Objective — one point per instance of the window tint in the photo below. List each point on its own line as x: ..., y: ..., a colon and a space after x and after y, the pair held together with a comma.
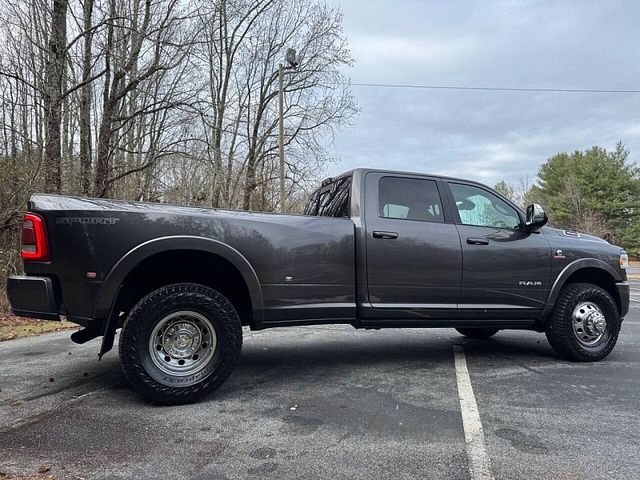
x: 331, y: 201
x: 479, y: 207
x: 410, y: 199
x: 311, y: 208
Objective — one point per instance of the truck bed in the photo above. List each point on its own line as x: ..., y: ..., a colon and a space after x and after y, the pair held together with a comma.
x: 303, y: 265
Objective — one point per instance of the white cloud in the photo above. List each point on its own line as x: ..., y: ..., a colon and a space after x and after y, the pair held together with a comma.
x: 385, y: 50
x: 489, y: 136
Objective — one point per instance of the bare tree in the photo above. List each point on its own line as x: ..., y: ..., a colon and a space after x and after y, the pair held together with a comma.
x: 244, y: 43
x: 165, y: 100
x: 85, y: 98
x: 54, y: 82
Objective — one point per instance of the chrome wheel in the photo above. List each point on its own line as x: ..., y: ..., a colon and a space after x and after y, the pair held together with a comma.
x: 589, y: 323
x: 182, y: 343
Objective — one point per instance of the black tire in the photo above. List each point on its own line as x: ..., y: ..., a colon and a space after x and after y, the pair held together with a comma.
x: 562, y: 335
x: 473, y: 332
x: 218, y: 360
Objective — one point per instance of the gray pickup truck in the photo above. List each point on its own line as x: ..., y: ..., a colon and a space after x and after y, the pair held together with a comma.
x: 374, y: 249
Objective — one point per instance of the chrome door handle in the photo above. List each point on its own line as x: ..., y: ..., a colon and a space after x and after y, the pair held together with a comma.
x: 386, y: 235
x: 477, y: 241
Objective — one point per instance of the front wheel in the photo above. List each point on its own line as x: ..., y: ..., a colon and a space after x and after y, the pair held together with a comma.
x: 180, y: 342
x: 584, y: 323
x: 478, y: 332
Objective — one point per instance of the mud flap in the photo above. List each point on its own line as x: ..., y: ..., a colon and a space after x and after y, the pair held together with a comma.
x: 107, y: 338
x: 109, y: 330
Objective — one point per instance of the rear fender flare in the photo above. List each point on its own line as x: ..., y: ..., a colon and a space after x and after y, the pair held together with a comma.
x: 108, y: 294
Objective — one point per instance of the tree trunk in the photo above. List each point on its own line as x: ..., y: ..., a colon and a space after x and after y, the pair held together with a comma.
x: 85, y: 102
x: 100, y: 186
x: 250, y: 182
x: 53, y: 96
x: 105, y: 130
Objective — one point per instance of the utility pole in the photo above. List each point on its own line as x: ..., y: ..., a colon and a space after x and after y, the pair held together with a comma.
x: 292, y: 62
x: 281, y: 134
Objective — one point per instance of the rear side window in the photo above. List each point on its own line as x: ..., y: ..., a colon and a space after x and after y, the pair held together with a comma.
x: 409, y: 199
x: 311, y: 208
x: 332, y: 200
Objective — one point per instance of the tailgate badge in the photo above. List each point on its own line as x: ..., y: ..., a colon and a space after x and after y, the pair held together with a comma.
x: 86, y: 220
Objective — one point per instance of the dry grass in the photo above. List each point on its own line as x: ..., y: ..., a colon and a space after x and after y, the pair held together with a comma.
x: 14, y: 327
x: 43, y: 474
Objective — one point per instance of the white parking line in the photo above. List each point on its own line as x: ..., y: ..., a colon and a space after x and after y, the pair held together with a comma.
x: 635, y: 295
x: 479, y: 464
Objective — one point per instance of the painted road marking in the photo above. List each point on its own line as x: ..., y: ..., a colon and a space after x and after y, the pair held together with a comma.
x: 479, y: 464
x: 635, y: 295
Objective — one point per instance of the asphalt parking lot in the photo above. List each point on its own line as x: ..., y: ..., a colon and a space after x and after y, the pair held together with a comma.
x: 330, y: 402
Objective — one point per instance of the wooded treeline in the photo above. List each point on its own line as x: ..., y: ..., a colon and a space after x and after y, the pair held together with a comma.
x: 166, y: 100
x: 596, y: 191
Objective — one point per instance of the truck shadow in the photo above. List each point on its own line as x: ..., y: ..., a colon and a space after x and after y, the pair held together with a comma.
x: 278, y: 361
x: 278, y: 364
x: 398, y: 349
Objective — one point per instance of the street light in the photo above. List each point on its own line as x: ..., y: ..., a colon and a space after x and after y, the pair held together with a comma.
x: 292, y: 61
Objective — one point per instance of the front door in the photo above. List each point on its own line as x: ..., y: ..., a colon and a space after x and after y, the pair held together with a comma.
x: 412, y: 248
x: 505, y: 267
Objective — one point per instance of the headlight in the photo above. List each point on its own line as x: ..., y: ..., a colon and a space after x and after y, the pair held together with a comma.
x: 624, y: 261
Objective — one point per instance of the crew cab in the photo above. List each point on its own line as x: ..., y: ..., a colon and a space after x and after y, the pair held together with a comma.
x: 373, y: 249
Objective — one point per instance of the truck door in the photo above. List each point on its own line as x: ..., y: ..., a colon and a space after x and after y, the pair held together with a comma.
x: 505, y: 267
x: 413, y: 253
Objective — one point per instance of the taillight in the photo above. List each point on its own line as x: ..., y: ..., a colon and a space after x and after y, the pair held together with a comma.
x: 34, y: 239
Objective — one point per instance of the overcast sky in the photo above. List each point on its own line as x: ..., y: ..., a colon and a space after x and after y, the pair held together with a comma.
x: 488, y: 136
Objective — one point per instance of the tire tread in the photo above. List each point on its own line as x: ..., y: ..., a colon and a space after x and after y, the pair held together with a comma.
x: 559, y: 330
x: 178, y: 295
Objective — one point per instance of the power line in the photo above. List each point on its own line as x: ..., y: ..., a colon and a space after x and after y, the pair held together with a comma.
x: 493, y: 89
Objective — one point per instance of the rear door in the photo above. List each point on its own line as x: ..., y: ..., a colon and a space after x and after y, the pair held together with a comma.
x: 413, y: 249
x: 505, y: 267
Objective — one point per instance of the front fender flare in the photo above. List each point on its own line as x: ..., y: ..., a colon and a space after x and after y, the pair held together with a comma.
x: 109, y: 291
x: 569, y: 270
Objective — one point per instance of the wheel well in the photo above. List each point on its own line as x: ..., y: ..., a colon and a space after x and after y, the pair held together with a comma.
x: 599, y: 277
x: 192, y: 266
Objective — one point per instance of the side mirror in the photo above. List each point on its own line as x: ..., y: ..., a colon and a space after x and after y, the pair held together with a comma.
x: 536, y: 217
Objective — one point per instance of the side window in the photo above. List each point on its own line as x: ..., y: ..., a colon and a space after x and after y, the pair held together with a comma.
x: 311, y: 208
x: 409, y: 199
x: 482, y: 208
x: 333, y: 200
